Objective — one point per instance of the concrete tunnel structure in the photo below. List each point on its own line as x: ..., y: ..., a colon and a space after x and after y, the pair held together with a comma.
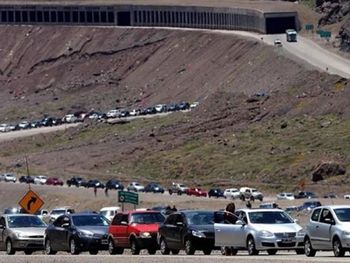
x: 264, y: 17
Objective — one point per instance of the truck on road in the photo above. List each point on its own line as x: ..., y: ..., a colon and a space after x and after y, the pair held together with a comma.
x: 291, y: 35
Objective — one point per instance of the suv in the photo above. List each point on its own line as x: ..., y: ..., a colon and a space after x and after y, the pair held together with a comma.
x: 232, y: 193
x: 77, y: 181
x: 328, y: 229
x: 8, y: 177
x: 250, y: 194
x: 135, y: 230
x: 309, y: 205
x: 176, y: 188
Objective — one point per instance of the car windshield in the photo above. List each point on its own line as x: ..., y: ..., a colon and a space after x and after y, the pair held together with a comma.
x: 57, y: 212
x: 90, y: 220
x: 182, y: 185
x: 200, y: 218
x: 269, y: 217
x: 25, y: 221
x: 343, y: 214
x: 147, y: 218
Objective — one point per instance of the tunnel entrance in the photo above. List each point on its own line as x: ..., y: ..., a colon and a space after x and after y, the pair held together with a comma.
x: 278, y: 25
x: 124, y: 19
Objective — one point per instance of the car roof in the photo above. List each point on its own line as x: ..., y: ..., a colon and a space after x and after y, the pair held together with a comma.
x: 334, y: 206
x: 110, y: 208
x: 260, y: 210
x: 140, y: 212
x: 20, y: 214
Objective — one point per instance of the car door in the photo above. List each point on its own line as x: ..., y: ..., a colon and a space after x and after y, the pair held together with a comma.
x: 168, y: 230
x: 180, y: 231
x: 53, y: 234
x: 122, y: 230
x: 325, y: 227
x: 2, y: 233
x: 313, y: 228
x: 62, y: 229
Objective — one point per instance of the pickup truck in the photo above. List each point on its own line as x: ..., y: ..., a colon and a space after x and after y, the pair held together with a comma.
x: 177, y: 188
x: 250, y: 194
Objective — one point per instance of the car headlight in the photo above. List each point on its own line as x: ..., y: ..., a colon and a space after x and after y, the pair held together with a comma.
x: 85, y: 233
x: 198, y: 234
x: 346, y: 233
x: 145, y: 234
x: 301, y: 233
x: 20, y: 235
x: 265, y: 233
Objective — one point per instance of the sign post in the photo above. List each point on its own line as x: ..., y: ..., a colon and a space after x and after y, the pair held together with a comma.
x: 128, y: 197
x: 31, y: 202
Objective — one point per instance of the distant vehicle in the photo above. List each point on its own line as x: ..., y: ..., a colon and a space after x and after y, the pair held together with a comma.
x: 113, y: 114
x: 268, y: 205
x: 35, y: 124
x: 196, y: 192
x: 328, y: 229
x: 308, y: 195
x: 23, y: 125
x: 277, y: 43
x: 78, y: 233
x: 13, y: 210
x: 346, y: 196
x: 173, y: 107
x: 135, y: 230
x: 260, y: 229
x: 94, y: 183
x: 216, y: 192
x: 189, y: 230
x: 232, y: 193
x: 136, y: 187
x: 285, y: 196
x: 250, y: 194
x: 177, y: 188
x: 58, y: 211
x: 309, y: 205
x: 124, y: 114
x: 110, y: 212
x: 184, y: 106
x: 154, y: 188
x: 194, y: 104
x: 291, y: 35
x: 48, y: 121
x: 114, y: 184
x: 291, y: 209
x: 40, y: 179
x: 330, y: 196
x: 54, y: 181
x: 21, y: 232
x: 26, y: 179
x: 43, y: 214
x: 76, y: 181
x: 5, y: 127
x: 160, y: 108
x: 150, y: 110
x: 70, y: 118
x: 8, y: 177
x: 135, y: 112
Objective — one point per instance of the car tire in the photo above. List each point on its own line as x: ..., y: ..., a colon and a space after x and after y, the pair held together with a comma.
x: 164, y: 250
x: 48, y: 248
x: 135, y: 250
x: 111, y: 248
x: 252, y: 251
x: 175, y: 251
x: 189, y: 248
x: 207, y: 251
x: 93, y: 252
x: 152, y: 251
x: 300, y: 251
x: 28, y: 252
x: 309, y: 251
x: 272, y: 252
x: 338, y: 249
x: 73, y: 248
x: 9, y: 248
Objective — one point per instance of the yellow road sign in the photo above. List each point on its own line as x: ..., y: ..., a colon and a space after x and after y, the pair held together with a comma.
x: 31, y: 202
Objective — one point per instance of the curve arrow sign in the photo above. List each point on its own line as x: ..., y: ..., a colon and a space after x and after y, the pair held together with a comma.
x: 31, y: 201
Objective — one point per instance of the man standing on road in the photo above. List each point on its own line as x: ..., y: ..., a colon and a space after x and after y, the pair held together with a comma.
x: 95, y: 191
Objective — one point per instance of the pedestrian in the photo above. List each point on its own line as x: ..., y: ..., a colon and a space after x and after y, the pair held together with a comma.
x: 95, y: 191
x: 106, y: 191
x: 248, y: 205
x: 229, y: 218
x: 174, y: 208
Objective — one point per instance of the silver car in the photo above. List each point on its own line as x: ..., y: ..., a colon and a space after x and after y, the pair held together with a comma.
x: 260, y: 229
x: 21, y: 232
x: 328, y: 229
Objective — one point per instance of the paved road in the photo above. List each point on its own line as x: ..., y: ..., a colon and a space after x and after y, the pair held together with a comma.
x: 243, y: 258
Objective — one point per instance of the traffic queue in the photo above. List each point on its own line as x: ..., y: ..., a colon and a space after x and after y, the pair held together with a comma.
x: 171, y: 231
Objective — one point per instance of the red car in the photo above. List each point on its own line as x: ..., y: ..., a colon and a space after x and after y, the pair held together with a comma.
x: 135, y: 230
x: 54, y: 181
x: 196, y: 192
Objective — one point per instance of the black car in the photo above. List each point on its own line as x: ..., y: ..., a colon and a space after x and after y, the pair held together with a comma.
x: 154, y: 188
x: 26, y: 179
x: 173, y: 107
x: 184, y: 106
x: 35, y: 124
x: 124, y: 114
x: 330, y: 196
x: 190, y: 230
x: 309, y: 205
x: 93, y: 184
x: 150, y: 110
x: 216, y: 192
x: 76, y: 233
x: 305, y: 194
x: 77, y: 181
x: 48, y: 121
x: 114, y: 184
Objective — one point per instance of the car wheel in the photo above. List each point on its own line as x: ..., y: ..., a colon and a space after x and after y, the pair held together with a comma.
x: 175, y: 251
x: 338, y: 249
x: 164, y: 250
x: 93, y: 252
x: 111, y: 248
x: 272, y: 252
x: 9, y: 248
x: 309, y: 251
x: 73, y: 248
x: 189, y: 248
x: 300, y: 251
x: 135, y: 250
x: 207, y: 251
x: 152, y: 251
x: 251, y: 247
x: 28, y: 251
x: 48, y: 248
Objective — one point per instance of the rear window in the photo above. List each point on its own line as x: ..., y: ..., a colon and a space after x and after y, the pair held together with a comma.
x: 315, y: 215
x: 147, y: 218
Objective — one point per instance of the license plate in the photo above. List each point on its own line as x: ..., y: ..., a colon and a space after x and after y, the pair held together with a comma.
x: 104, y: 241
x: 287, y: 240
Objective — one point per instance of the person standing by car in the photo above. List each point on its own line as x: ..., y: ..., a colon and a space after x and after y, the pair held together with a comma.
x: 95, y: 191
x: 229, y: 218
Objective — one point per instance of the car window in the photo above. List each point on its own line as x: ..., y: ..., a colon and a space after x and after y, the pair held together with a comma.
x: 25, y: 221
x: 117, y: 219
x: 147, y: 218
x: 2, y: 221
x: 171, y: 220
x: 343, y: 214
x: 89, y: 220
x: 200, y: 218
x: 326, y: 216
x: 125, y: 218
x: 270, y: 217
x: 315, y: 215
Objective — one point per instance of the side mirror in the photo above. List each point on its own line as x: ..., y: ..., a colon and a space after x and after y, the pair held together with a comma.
x: 240, y: 222
x: 329, y: 221
x: 65, y: 225
x: 296, y: 221
x: 124, y: 223
x: 179, y: 223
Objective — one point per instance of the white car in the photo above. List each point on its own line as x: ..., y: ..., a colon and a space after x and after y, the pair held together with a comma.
x: 285, y: 196
x: 8, y: 177
x: 56, y: 212
x: 4, y: 127
x: 232, y: 193
x: 135, y: 112
x: 70, y: 118
x: 277, y: 43
x: 160, y: 107
x: 40, y: 179
x: 194, y: 104
x: 113, y: 114
x: 136, y: 187
x: 110, y: 212
x: 347, y: 196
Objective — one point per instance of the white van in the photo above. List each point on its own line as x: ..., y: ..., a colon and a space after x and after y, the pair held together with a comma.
x: 109, y: 212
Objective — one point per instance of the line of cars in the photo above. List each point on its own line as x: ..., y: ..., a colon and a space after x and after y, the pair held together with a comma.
x: 81, y: 116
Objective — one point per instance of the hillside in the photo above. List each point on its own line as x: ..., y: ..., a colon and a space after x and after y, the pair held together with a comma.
x: 231, y: 138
